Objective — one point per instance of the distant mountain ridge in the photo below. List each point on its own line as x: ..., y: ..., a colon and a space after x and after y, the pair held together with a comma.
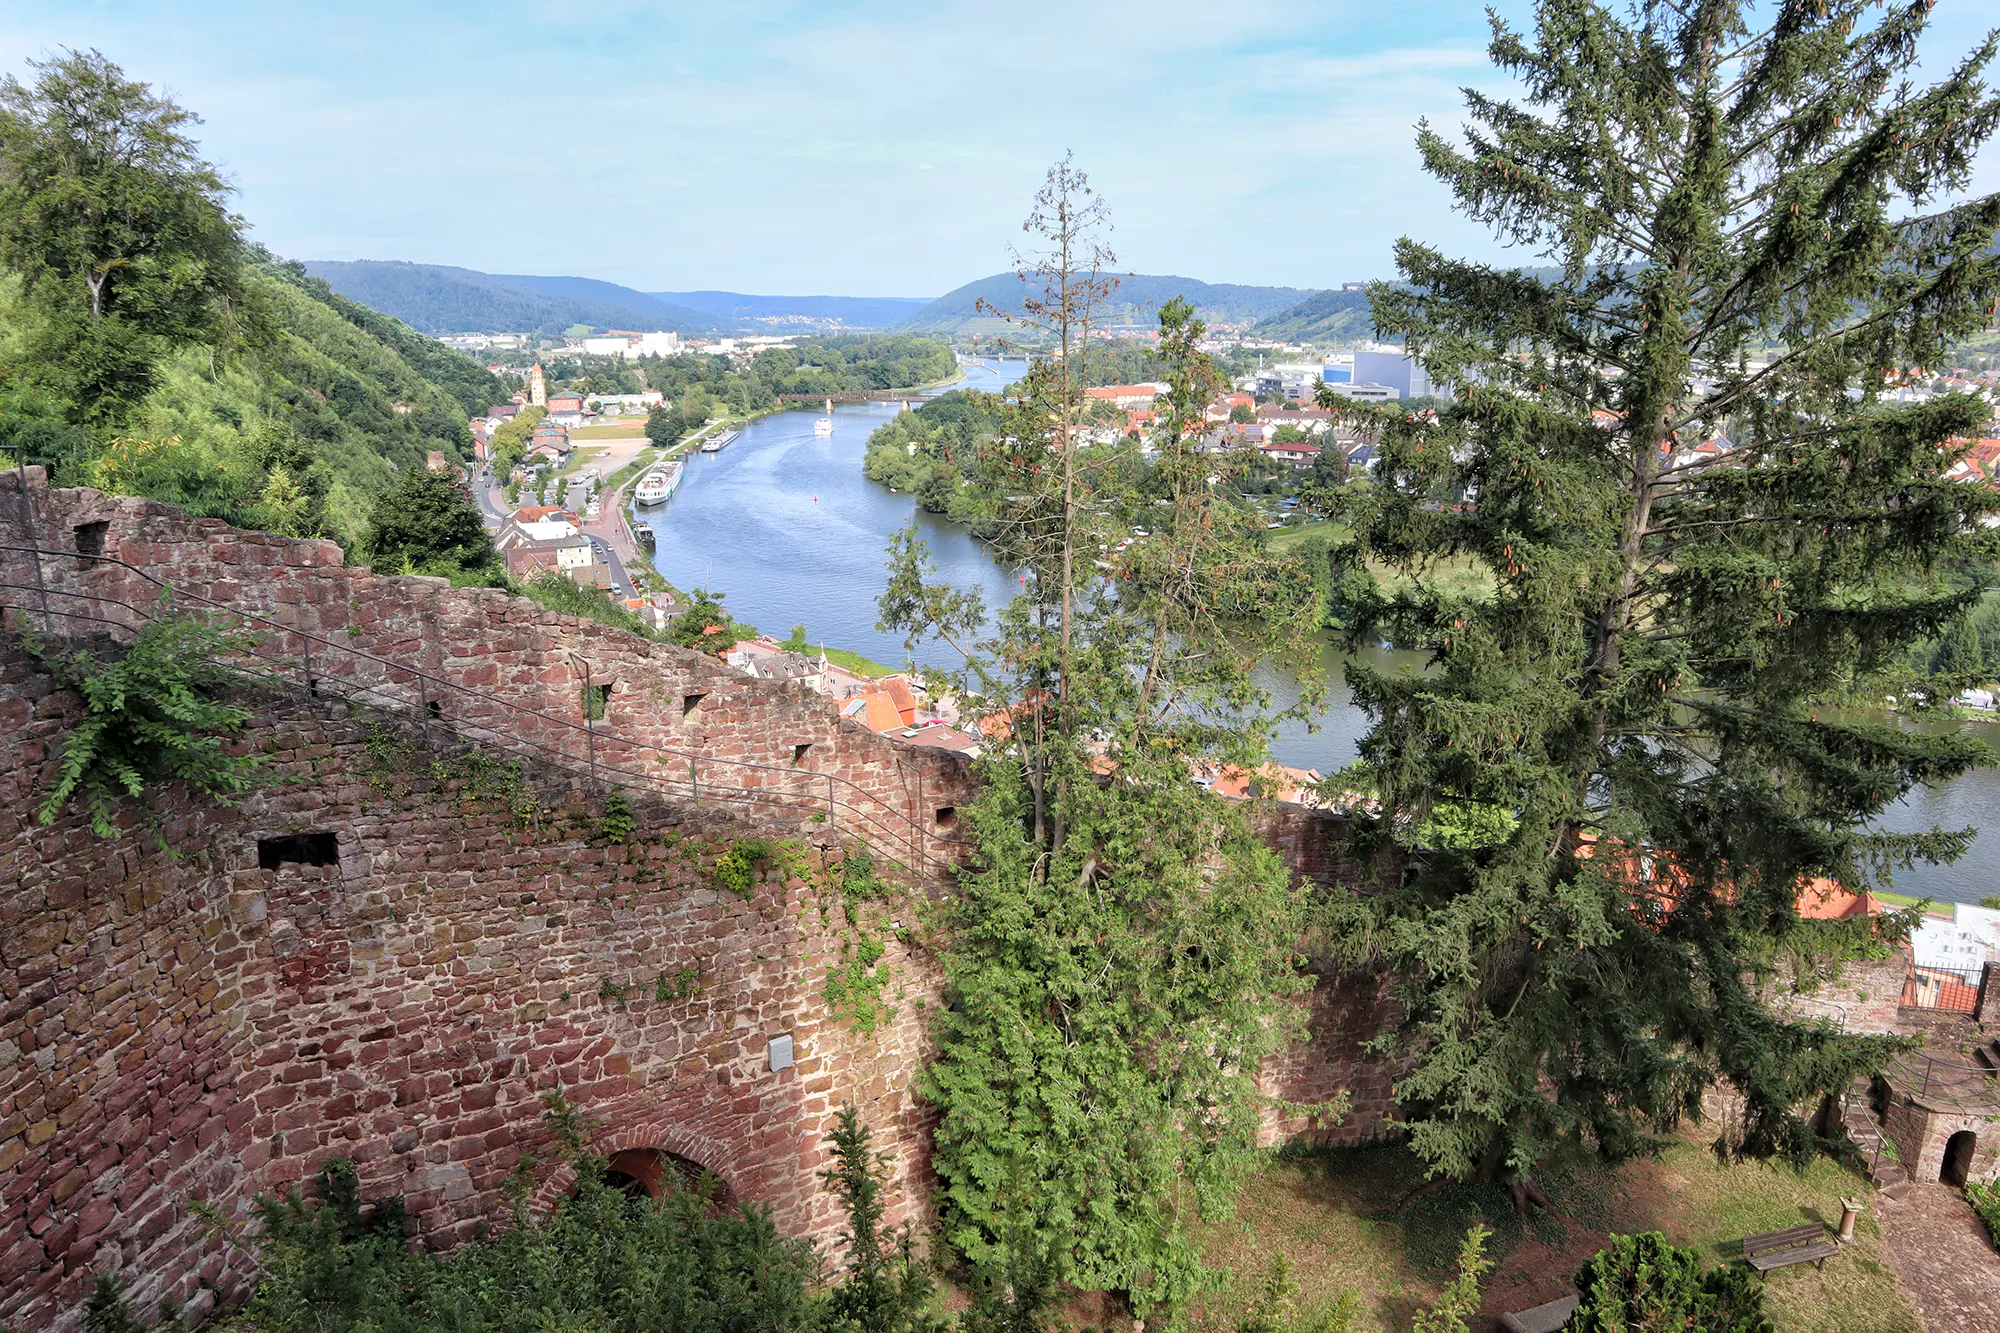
x: 856, y: 312
x: 439, y: 299
x: 1137, y: 301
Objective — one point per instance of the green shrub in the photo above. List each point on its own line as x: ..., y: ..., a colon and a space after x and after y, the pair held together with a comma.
x: 1459, y: 1300
x: 1641, y: 1283
x: 617, y: 825
x: 599, y: 1260
x: 151, y: 717
x: 736, y: 868
x: 1985, y: 1200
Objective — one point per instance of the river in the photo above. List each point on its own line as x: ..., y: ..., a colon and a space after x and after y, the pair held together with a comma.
x: 784, y: 524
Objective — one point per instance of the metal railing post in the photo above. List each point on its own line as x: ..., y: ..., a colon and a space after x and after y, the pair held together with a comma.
x: 829, y: 802
x: 590, y: 720
x: 306, y: 662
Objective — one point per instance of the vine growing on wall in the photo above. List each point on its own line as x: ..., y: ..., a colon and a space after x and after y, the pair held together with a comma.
x: 478, y: 776
x: 856, y: 986
x: 152, y: 716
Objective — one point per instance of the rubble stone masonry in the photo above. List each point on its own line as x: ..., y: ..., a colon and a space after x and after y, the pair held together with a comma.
x: 201, y: 1009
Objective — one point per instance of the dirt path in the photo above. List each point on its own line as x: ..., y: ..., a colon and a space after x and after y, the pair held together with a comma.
x: 1941, y: 1254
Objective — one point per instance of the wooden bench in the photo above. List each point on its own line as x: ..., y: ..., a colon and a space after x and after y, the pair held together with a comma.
x: 1807, y: 1244
x: 1543, y: 1318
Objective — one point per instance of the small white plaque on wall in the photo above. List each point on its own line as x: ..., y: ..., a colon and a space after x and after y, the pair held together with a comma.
x: 780, y: 1052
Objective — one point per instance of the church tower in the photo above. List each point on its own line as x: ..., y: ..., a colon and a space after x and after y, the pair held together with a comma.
x: 538, y: 388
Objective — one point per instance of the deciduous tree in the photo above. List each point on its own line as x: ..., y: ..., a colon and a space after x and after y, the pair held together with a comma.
x: 117, y: 227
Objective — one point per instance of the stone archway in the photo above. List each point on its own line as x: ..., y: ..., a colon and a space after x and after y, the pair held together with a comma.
x: 1958, y: 1151
x: 654, y: 1172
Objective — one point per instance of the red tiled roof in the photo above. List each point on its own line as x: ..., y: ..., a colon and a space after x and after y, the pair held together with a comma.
x: 898, y: 690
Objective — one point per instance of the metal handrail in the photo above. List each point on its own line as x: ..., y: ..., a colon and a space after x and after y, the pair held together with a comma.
x: 899, y: 840
x: 1932, y: 1064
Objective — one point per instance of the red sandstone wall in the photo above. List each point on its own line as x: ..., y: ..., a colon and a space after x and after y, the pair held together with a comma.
x: 202, y: 1028
x: 1341, y: 1011
x: 502, y: 669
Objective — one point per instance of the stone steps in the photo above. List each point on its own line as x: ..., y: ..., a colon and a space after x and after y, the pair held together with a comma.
x: 1878, y: 1159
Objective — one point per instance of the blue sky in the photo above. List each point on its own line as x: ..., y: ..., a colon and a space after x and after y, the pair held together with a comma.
x: 857, y: 149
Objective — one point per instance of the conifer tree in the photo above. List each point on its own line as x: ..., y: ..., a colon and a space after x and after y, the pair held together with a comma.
x: 1122, y: 954
x: 1757, y: 228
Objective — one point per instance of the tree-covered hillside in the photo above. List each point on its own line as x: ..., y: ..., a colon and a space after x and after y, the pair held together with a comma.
x: 1323, y: 317
x: 438, y: 299
x: 1137, y: 300
x: 147, y: 349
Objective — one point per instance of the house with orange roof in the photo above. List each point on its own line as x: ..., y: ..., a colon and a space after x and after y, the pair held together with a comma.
x: 1125, y: 395
x: 875, y: 711
x: 1984, y: 454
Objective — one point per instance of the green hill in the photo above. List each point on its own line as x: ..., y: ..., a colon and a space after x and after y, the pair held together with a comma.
x: 1329, y: 316
x: 1136, y: 301
x: 294, y: 432
x: 439, y: 299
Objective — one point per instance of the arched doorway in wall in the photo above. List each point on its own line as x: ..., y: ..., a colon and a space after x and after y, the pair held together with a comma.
x: 1958, y: 1150
x: 652, y: 1172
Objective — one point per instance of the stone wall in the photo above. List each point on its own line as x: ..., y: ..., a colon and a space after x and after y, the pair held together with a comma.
x: 179, y: 1021
x: 1863, y: 996
x: 190, y: 1025
x: 485, y: 664
x: 1342, y: 1011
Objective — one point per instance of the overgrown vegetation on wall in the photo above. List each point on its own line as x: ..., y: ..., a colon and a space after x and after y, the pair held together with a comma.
x: 600, y: 1260
x: 152, y: 716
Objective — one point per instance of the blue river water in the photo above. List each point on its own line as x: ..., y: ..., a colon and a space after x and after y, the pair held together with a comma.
x: 783, y: 523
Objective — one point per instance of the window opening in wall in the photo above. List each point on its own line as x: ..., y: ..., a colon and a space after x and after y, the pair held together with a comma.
x: 596, y: 701
x: 436, y: 708
x: 90, y: 538
x: 1958, y: 1150
x: 799, y: 753
x: 945, y: 818
x: 690, y: 703
x: 305, y: 849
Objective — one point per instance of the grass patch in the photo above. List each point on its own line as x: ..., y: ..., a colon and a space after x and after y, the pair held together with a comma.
x: 1711, y: 1206
x: 848, y: 660
x: 1336, y: 1215
x: 633, y: 428
x: 1282, y: 540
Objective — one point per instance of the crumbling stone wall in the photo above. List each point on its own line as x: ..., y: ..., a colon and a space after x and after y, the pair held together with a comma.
x: 483, y: 663
x: 179, y: 1022
x: 189, y: 1025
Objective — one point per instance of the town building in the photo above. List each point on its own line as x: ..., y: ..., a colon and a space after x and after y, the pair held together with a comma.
x: 1398, y: 370
x: 1127, y: 396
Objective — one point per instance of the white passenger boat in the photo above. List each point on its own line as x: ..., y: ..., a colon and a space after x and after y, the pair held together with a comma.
x: 659, y: 485
x: 824, y: 426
